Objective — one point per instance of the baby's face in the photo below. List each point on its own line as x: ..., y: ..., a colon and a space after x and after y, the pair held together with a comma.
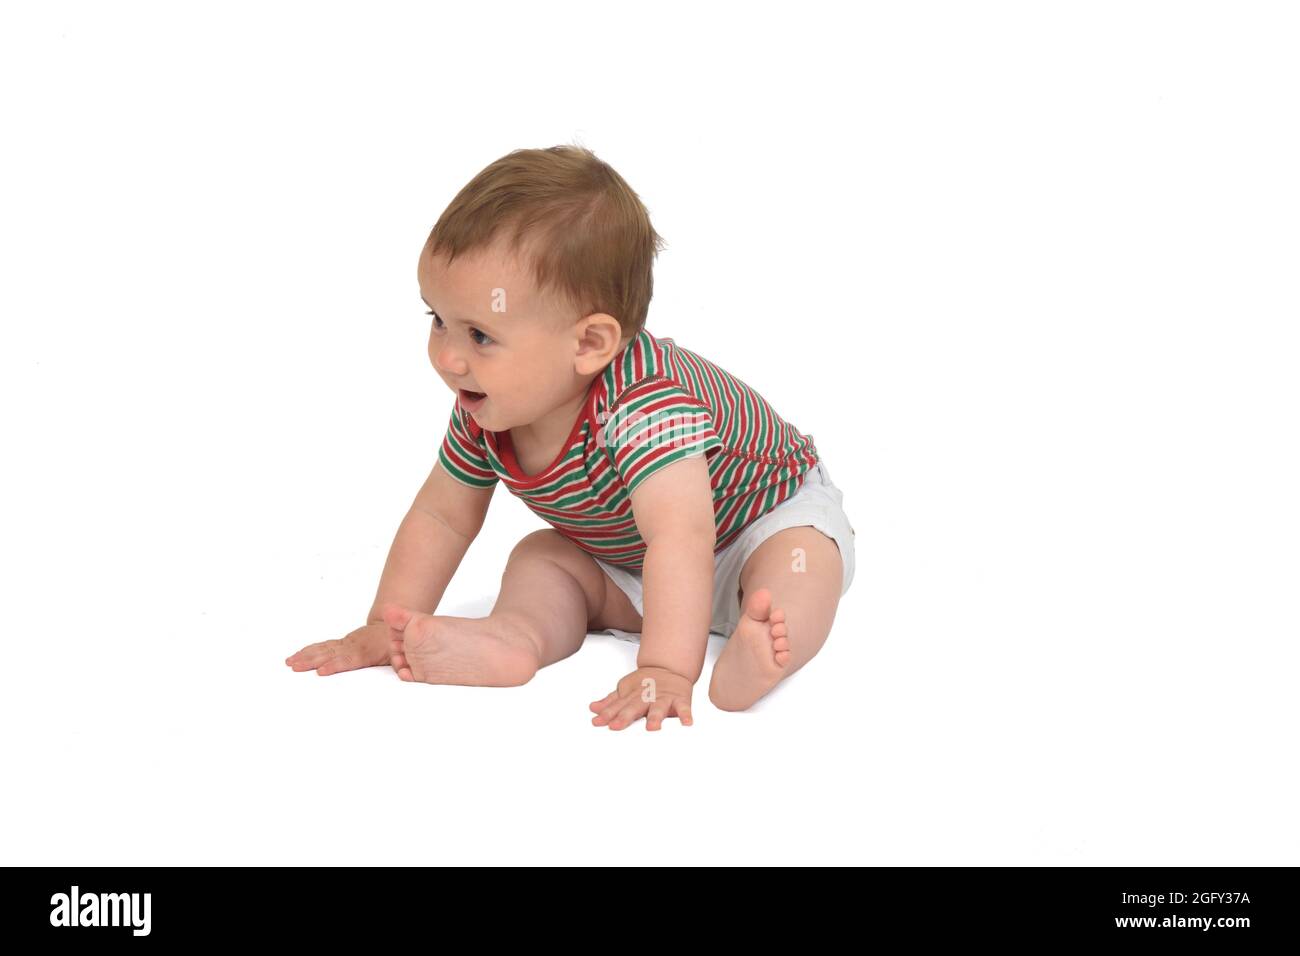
x: 506, y: 349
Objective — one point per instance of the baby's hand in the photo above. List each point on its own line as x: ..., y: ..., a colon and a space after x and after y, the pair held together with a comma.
x: 653, y: 691
x: 367, y: 646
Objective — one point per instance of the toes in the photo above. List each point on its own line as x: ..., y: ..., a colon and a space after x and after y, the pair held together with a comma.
x: 777, y: 615
x: 419, y: 628
x: 759, y: 604
x: 779, y: 630
x: 396, y: 617
x: 781, y: 644
x: 397, y: 653
x: 782, y: 657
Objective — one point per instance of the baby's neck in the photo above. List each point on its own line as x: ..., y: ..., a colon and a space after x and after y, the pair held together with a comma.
x: 542, y: 440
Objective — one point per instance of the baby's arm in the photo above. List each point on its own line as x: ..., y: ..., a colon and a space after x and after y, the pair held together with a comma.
x: 673, y: 509
x: 431, y: 541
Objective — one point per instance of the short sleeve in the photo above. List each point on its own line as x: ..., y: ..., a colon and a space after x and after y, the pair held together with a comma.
x: 655, y: 424
x: 464, y: 452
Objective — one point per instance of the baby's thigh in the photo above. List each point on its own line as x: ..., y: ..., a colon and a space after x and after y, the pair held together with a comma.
x: 617, y: 610
x: 799, y: 559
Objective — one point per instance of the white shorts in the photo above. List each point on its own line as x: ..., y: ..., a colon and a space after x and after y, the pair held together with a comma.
x: 817, y: 503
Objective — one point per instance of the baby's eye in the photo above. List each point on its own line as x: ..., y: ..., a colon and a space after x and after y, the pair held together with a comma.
x: 473, y: 333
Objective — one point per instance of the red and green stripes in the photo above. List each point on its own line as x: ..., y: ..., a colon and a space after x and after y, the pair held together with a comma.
x: 654, y: 405
x: 462, y: 452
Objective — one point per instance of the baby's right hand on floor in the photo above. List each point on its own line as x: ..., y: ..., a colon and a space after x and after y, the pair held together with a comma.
x: 367, y: 646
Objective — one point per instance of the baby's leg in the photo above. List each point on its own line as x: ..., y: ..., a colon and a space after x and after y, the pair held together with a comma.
x: 787, y: 602
x: 552, y: 593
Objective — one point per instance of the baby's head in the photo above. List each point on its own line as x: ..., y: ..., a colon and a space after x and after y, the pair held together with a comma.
x: 536, y: 275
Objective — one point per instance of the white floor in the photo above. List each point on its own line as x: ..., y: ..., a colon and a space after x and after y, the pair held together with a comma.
x: 959, y: 714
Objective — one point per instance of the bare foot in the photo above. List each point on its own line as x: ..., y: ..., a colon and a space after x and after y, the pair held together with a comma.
x: 473, y: 651
x: 753, y: 662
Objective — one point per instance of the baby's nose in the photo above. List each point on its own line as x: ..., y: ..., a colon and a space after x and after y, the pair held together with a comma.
x: 447, y: 359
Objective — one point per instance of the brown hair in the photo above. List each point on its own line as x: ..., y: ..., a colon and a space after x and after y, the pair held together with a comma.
x: 584, y: 232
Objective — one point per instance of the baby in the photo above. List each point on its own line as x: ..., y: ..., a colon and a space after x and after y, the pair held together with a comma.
x: 679, y: 502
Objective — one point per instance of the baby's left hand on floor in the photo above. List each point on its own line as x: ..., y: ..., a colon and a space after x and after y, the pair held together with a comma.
x: 653, y: 692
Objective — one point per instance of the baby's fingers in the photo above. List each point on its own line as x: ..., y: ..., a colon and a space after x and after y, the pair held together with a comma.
x: 662, y: 709
x: 341, y: 657
x: 609, y: 711
x: 634, y: 709
x: 683, y: 708
x: 655, y: 718
x: 327, y: 657
x: 308, y: 658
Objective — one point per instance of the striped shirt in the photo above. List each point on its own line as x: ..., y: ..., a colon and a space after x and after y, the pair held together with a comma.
x: 653, y: 405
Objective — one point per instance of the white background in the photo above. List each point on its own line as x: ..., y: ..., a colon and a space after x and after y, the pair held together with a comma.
x: 1027, y: 272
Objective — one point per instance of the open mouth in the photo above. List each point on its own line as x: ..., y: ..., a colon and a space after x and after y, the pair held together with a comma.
x: 467, y: 396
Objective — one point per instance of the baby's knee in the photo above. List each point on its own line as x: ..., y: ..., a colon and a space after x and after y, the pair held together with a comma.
x: 542, y: 541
